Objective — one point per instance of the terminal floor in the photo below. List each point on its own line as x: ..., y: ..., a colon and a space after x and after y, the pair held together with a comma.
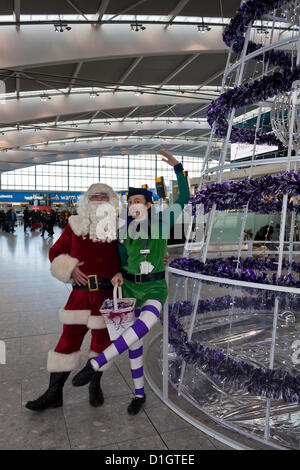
x: 30, y: 299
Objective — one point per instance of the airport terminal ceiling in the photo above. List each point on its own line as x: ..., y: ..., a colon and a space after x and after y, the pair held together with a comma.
x: 85, y: 78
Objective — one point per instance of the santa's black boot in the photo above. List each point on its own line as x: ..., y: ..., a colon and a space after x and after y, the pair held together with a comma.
x: 95, y: 391
x: 53, y: 397
x: 84, y: 376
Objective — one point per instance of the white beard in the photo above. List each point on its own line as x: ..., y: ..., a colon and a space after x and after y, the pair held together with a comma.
x: 102, y: 217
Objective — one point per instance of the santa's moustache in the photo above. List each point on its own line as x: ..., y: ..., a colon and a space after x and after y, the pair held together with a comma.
x: 102, y: 216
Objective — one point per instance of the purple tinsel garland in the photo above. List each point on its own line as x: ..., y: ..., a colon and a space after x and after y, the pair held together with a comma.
x: 250, y: 269
x: 235, y: 195
x: 264, y: 300
x: 247, y: 13
x: 276, y: 384
x: 258, y: 90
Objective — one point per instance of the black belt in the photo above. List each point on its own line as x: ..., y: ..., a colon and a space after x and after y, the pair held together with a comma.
x: 95, y: 284
x: 139, y: 278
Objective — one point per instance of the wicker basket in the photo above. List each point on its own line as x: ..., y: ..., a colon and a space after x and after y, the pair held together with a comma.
x: 118, y: 313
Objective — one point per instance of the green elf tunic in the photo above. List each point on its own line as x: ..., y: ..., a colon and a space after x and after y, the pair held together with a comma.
x: 157, y: 244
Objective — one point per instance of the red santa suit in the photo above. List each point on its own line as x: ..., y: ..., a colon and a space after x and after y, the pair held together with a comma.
x: 81, y: 312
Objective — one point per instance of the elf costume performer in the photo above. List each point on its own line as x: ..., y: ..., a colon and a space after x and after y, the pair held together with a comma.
x: 143, y: 277
x: 86, y: 255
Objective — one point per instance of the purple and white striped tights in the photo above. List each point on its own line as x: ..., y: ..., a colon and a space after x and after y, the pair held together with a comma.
x: 131, y: 339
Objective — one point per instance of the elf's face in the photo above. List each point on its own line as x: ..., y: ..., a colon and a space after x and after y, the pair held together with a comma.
x: 138, y: 206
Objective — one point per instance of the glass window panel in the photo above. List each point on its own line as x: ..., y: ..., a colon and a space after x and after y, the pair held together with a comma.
x: 62, y: 163
x: 31, y: 180
x: 3, y: 179
x: 52, y: 182
x: 10, y: 180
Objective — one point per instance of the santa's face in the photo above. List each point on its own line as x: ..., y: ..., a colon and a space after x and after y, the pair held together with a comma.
x: 101, y: 197
x: 94, y: 201
x: 102, y: 219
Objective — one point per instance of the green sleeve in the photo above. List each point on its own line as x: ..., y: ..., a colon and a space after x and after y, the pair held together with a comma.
x: 183, y: 198
x: 123, y: 254
x: 183, y: 189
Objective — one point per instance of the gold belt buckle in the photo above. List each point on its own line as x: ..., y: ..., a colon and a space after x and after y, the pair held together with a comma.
x: 93, y: 283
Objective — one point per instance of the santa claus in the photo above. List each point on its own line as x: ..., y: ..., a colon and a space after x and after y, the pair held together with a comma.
x: 86, y: 256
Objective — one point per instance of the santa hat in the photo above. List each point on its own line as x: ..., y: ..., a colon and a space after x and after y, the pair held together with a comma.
x: 94, y: 189
x: 99, y: 188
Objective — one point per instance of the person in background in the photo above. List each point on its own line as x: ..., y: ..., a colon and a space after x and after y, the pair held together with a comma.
x: 67, y: 215
x: 26, y: 215
x: 12, y: 218
x: 35, y: 220
x: 44, y: 222
x: 2, y: 219
x: 265, y: 233
x: 51, y: 222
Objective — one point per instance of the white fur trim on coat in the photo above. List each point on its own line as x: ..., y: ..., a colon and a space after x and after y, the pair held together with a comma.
x: 106, y: 366
x: 62, y: 267
x: 96, y: 322
x: 75, y: 221
x: 58, y: 362
x: 74, y: 317
x: 103, y: 232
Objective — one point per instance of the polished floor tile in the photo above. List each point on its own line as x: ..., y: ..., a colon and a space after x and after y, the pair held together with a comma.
x: 144, y: 443
x: 30, y: 299
x: 105, y: 425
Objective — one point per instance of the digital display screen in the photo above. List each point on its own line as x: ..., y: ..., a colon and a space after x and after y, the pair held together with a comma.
x: 246, y: 150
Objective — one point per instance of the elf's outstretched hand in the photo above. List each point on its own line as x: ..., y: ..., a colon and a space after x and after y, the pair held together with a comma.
x: 168, y: 157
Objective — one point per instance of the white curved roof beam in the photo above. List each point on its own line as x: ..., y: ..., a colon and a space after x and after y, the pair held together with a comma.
x: 32, y: 108
x: 180, y: 5
x: 77, y: 9
x: 37, y: 134
x: 92, y: 146
x: 17, y: 12
x: 106, y: 114
x: 94, y: 116
x: 197, y: 110
x: 45, y: 84
x: 130, y: 7
x: 175, y: 147
x: 75, y: 74
x: 129, y: 71
x: 83, y: 43
x: 12, y: 159
x: 18, y: 85
x: 4, y: 79
x: 156, y: 134
x: 102, y: 9
x: 178, y: 70
x: 203, y: 144
x: 211, y: 78
x: 164, y: 111
x: 179, y: 135
x: 130, y: 112
x: 188, y: 130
